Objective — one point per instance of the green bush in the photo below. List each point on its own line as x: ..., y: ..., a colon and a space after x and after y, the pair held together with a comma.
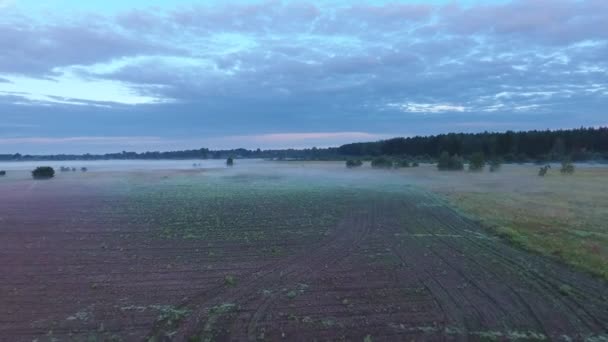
x: 477, y: 162
x: 229, y: 161
x: 352, y: 163
x: 382, y: 163
x: 450, y: 163
x: 43, y: 172
x: 567, y: 167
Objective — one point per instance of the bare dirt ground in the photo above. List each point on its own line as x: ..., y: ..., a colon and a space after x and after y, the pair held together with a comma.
x: 394, y: 267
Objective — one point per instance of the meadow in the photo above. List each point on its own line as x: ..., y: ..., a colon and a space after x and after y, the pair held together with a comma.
x: 302, y: 251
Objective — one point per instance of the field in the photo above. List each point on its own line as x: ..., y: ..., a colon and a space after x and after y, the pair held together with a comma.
x: 304, y: 251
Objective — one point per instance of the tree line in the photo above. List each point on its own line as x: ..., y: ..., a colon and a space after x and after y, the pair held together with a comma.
x: 576, y: 144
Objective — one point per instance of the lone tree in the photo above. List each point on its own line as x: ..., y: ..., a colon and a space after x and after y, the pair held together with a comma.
x: 352, y: 163
x: 43, y: 172
x: 229, y: 161
x: 450, y: 163
x: 477, y: 162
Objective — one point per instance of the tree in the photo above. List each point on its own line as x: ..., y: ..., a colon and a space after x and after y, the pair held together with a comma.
x: 477, y: 162
x: 450, y: 163
x: 382, y: 163
x: 542, y: 172
x: 229, y: 161
x: 352, y: 163
x: 567, y: 167
x: 43, y: 172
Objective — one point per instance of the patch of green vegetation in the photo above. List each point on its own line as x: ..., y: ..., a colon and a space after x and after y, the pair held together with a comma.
x: 230, y: 280
x: 563, y: 219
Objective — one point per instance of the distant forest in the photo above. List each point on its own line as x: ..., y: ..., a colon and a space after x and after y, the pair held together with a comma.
x: 576, y: 144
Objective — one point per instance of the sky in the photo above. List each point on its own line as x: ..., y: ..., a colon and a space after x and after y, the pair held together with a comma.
x: 107, y: 76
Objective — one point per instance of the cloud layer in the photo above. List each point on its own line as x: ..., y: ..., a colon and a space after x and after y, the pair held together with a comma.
x: 271, y: 67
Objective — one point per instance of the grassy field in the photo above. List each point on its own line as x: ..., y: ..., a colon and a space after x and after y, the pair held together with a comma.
x: 562, y: 216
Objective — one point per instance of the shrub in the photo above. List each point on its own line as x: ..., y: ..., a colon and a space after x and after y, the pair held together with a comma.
x: 450, y: 163
x: 382, y: 163
x: 43, y: 172
x: 495, y: 165
x: 2, y: 173
x: 64, y: 169
x: 84, y: 169
x: 229, y: 161
x: 352, y: 163
x: 567, y: 167
x: 415, y: 164
x: 477, y: 162
x: 543, y: 170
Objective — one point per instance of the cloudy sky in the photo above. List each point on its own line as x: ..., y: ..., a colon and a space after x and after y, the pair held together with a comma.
x: 103, y: 76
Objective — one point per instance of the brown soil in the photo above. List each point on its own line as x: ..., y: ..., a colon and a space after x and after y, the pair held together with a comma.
x: 400, y: 268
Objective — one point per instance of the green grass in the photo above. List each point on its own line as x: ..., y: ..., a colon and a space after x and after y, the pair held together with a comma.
x: 559, y: 216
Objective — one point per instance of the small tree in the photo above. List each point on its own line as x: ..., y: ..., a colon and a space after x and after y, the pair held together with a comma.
x: 43, y: 172
x: 542, y: 172
x: 477, y: 162
x: 229, y: 161
x: 382, y: 163
x: 567, y: 167
x: 352, y: 163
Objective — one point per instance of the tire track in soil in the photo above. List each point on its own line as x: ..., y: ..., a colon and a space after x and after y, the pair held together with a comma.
x: 494, y: 302
x: 347, y: 234
x: 543, y: 287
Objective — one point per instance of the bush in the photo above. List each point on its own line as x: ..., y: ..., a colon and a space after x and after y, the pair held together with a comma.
x: 543, y: 170
x: 2, y: 173
x: 64, y: 169
x: 229, y: 161
x: 450, y: 163
x: 43, y: 172
x: 352, y: 163
x: 477, y: 162
x: 415, y: 164
x: 84, y: 169
x: 382, y: 163
x: 567, y: 167
x: 495, y: 165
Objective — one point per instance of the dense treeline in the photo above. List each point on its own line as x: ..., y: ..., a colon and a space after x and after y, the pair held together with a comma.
x: 576, y: 144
